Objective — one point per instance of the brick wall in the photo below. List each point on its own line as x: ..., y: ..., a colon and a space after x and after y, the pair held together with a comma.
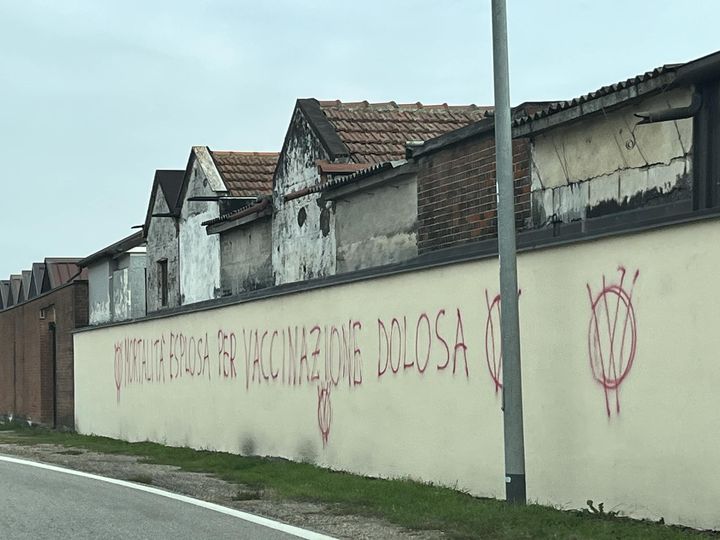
x: 457, y: 196
x: 7, y: 372
x: 29, y: 387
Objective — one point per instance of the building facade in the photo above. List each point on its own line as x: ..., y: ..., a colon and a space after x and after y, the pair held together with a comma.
x: 331, y: 139
x: 161, y: 232
x: 375, y: 216
x: 116, y: 276
x: 37, y: 357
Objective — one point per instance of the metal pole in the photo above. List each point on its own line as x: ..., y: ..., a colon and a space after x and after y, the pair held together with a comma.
x: 509, y: 325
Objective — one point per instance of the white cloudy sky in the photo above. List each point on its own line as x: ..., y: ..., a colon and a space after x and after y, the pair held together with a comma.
x: 97, y: 94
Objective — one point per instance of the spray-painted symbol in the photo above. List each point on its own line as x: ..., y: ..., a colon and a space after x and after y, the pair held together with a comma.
x: 612, y: 335
x: 324, y: 412
x: 493, y: 344
x: 118, y: 370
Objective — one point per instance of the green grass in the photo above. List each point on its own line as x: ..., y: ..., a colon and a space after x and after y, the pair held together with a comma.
x: 9, y: 425
x: 403, y: 502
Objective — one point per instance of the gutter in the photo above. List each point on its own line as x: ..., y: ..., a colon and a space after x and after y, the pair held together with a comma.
x: 677, y: 113
x: 127, y: 243
x: 218, y: 225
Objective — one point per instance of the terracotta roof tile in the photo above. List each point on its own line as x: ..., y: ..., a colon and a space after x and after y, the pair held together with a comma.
x: 246, y: 174
x: 377, y: 132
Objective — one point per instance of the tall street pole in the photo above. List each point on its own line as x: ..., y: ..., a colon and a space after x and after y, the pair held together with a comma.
x: 509, y: 324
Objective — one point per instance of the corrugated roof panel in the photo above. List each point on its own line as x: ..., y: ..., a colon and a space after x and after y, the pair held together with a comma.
x: 600, y: 92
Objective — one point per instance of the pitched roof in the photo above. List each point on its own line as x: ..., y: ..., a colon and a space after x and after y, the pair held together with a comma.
x: 60, y: 270
x: 559, y: 106
x: 378, y: 132
x: 5, y: 296
x: 26, y: 278
x: 16, y: 289
x: 169, y: 183
x: 38, y: 271
x: 246, y: 174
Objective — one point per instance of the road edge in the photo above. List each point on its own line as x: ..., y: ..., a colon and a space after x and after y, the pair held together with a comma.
x: 245, y: 516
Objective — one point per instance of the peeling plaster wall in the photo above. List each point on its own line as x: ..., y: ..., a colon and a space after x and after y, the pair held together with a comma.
x: 377, y: 226
x: 137, y: 277
x: 607, y: 163
x: 162, y: 243
x: 246, y: 257
x: 122, y: 295
x: 303, y: 242
x: 128, y: 287
x: 199, y: 253
x: 99, y: 281
x: 392, y: 377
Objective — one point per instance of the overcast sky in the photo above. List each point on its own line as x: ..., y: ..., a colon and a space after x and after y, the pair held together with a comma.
x: 97, y: 94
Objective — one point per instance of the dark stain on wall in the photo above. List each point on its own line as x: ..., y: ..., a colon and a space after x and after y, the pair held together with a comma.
x: 652, y: 197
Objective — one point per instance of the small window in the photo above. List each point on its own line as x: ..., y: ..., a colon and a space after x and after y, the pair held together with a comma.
x: 163, y: 274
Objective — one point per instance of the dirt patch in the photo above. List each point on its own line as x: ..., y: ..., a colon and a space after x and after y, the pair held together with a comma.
x: 317, y: 517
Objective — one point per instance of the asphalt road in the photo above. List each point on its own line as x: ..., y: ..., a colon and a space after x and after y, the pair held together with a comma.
x: 43, y: 504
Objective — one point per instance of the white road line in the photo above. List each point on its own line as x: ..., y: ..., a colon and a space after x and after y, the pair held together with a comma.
x: 252, y: 518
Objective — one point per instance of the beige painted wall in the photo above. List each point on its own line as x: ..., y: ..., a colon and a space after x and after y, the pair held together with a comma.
x: 647, y: 447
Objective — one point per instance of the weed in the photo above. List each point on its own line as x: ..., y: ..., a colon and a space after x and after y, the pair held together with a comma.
x: 404, y: 502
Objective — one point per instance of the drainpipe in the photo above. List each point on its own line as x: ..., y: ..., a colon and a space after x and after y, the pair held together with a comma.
x: 677, y: 113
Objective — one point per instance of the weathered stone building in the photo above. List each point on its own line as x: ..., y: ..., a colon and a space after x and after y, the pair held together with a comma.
x: 246, y: 233
x: 331, y: 139
x: 212, y: 186
x: 161, y: 236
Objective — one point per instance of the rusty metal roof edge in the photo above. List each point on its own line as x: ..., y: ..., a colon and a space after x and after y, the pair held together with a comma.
x: 341, y: 181
x: 230, y: 215
x: 251, y: 214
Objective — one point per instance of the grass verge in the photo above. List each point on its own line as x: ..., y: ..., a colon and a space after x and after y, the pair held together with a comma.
x: 402, y: 502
